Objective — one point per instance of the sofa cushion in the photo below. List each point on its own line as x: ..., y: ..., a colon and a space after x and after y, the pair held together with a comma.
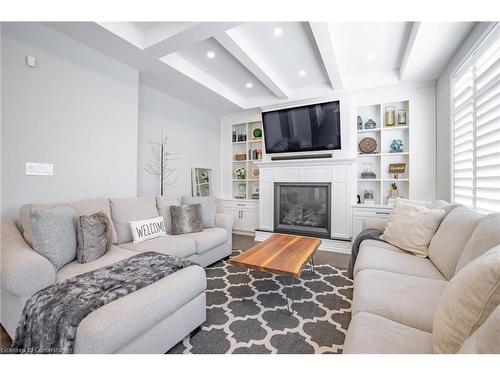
x: 408, y: 300
x: 411, y: 227
x: 486, y: 339
x: 54, y: 234
x: 373, y: 334
x: 116, y: 324
x: 172, y: 245
x: 208, y: 208
x: 208, y: 239
x: 92, y: 206
x: 24, y: 219
x: 467, y: 301
x: 448, y: 243
x: 129, y: 209
x: 485, y: 236
x: 398, y: 261
x: 115, y: 254
x: 163, y: 204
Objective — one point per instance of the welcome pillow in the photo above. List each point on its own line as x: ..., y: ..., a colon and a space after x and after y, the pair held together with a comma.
x: 148, y: 229
x: 412, y: 227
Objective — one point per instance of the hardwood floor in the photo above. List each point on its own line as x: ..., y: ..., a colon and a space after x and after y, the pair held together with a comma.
x: 240, y: 242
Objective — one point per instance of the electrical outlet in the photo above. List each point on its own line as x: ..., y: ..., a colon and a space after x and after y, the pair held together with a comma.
x: 39, y: 169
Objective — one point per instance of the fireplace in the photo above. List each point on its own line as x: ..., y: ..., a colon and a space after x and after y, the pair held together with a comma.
x: 302, y: 208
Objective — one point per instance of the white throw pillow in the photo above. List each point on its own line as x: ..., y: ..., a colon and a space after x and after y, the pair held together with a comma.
x: 411, y: 227
x: 148, y: 229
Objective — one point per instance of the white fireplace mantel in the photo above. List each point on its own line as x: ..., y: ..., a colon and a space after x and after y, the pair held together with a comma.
x: 340, y: 173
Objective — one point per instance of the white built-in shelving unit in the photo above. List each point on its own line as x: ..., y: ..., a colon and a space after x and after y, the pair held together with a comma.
x: 381, y: 158
x: 245, y: 188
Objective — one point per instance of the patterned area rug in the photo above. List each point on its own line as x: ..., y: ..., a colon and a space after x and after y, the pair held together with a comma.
x: 261, y: 324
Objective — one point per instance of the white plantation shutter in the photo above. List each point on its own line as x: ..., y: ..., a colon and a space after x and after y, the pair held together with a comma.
x: 476, y: 127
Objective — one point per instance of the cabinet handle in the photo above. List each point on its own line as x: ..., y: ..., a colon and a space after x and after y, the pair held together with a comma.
x: 382, y: 213
x: 240, y: 204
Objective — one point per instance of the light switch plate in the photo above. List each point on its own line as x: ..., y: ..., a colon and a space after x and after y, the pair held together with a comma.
x: 39, y: 169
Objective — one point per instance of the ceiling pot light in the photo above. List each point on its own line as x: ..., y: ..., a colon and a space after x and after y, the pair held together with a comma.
x: 249, y: 85
x: 210, y: 54
x: 370, y: 57
x: 277, y: 31
x: 302, y: 73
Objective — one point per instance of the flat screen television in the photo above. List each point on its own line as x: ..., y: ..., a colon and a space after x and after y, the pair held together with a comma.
x: 309, y: 128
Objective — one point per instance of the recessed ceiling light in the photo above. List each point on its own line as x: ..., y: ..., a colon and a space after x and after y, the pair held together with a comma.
x: 302, y: 73
x: 210, y: 54
x: 278, y: 31
x: 370, y: 57
x: 249, y: 85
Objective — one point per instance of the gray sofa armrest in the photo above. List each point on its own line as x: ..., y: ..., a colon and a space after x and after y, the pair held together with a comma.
x: 225, y: 221
x: 375, y: 223
x: 24, y: 271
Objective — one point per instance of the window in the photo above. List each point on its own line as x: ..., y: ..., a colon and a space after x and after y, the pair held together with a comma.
x: 476, y: 127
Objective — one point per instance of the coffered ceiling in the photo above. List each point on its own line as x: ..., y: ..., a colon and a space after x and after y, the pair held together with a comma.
x: 225, y: 67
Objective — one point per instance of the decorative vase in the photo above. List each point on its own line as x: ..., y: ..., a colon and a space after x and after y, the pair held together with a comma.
x: 394, y: 193
x: 370, y: 124
x: 390, y: 114
x: 360, y: 123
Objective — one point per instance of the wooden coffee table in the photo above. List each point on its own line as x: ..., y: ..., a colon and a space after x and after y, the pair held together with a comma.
x: 281, y: 254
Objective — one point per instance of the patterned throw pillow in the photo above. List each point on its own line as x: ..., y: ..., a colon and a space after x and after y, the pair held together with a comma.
x: 186, y: 218
x: 94, y: 236
x: 148, y: 229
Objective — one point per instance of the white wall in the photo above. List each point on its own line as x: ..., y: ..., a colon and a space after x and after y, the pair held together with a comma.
x: 77, y: 109
x: 443, y: 152
x: 194, y: 135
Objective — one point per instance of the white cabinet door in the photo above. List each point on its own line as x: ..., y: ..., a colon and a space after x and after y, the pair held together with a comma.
x: 250, y: 220
x: 237, y: 216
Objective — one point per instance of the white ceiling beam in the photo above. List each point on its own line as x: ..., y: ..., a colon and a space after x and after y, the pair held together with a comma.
x: 408, y: 48
x: 188, y: 37
x: 183, y: 66
x: 323, y: 39
x: 236, y: 44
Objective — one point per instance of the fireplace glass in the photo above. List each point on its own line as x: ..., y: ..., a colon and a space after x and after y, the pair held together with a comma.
x: 302, y: 208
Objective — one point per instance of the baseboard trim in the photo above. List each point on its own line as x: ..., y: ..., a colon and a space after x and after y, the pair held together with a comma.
x: 334, y: 246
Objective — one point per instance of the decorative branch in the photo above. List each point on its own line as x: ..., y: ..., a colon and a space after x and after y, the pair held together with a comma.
x: 158, y: 165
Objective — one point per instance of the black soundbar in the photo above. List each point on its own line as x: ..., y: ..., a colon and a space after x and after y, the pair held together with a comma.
x: 301, y: 157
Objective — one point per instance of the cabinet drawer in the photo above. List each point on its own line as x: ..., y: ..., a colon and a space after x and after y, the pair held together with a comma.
x: 241, y: 205
x: 371, y: 212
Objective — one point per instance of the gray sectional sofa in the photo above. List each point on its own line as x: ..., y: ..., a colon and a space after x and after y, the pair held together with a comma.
x: 407, y: 304
x: 150, y: 320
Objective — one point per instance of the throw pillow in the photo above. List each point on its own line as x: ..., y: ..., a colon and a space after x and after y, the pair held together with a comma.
x: 148, y: 229
x: 208, y: 208
x: 467, y: 301
x: 53, y: 232
x: 94, y: 236
x: 411, y: 227
x: 186, y: 218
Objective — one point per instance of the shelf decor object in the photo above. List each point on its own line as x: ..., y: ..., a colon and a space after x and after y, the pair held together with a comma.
x: 396, y: 168
x: 368, y: 145
x: 360, y: 123
x: 240, y: 173
x: 257, y: 133
x: 390, y: 114
x: 401, y: 116
x: 240, y: 157
x: 370, y: 124
x: 368, y: 172
x: 368, y: 196
x: 396, y: 146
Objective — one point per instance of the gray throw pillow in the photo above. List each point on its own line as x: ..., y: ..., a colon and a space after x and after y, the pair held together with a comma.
x: 208, y: 208
x: 53, y: 232
x: 186, y: 218
x: 94, y: 236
